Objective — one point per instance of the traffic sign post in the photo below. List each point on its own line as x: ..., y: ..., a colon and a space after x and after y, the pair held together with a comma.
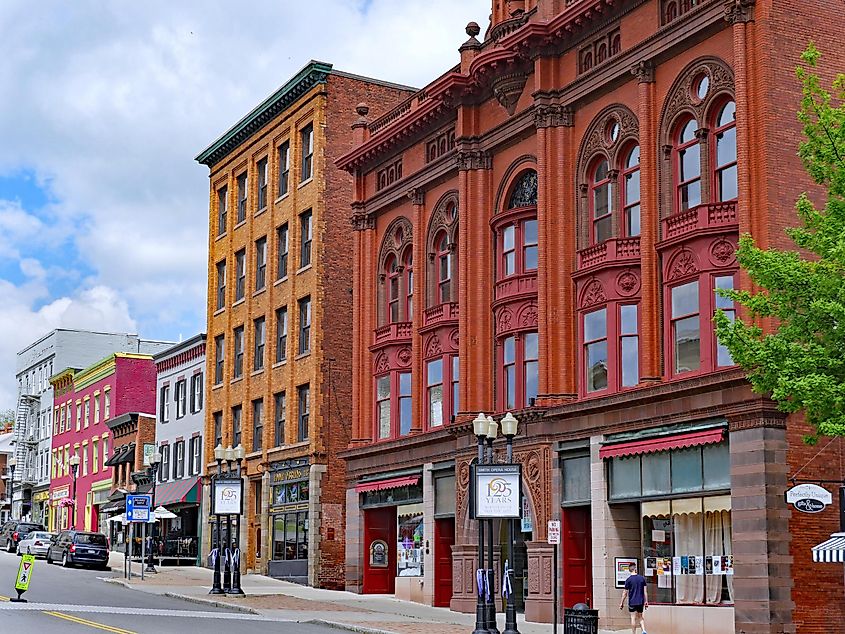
x: 138, y: 508
x: 24, y: 577
x: 553, y: 534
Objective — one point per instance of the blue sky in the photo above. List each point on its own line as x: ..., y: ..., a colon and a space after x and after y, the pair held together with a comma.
x: 102, y: 209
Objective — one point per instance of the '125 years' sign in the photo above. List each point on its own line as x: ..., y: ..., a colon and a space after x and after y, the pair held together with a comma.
x: 809, y: 498
x: 497, y: 491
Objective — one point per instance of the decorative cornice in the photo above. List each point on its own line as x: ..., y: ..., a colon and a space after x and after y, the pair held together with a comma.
x: 643, y: 71
x: 416, y: 196
x: 312, y: 74
x: 363, y: 222
x: 553, y: 116
x: 737, y: 11
x: 474, y: 160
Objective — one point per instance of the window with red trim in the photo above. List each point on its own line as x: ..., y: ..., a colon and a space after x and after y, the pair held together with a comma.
x: 392, y: 286
x: 518, y: 247
x: 601, y: 203
x: 444, y: 268
x: 724, y: 153
x: 442, y: 379
x: 630, y: 179
x: 393, y: 405
x: 408, y: 273
x: 687, y: 166
x: 519, y: 362
x: 610, y: 356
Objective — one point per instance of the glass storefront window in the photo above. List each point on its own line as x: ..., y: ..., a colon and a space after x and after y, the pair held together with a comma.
x: 290, y: 536
x: 686, y: 470
x: 576, y: 479
x: 625, y: 477
x: 410, y: 540
x: 717, y: 466
x: 655, y: 473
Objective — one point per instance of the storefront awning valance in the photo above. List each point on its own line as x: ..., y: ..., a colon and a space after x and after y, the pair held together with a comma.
x: 392, y: 483
x: 663, y: 443
x: 113, y: 507
x: 832, y: 550
x: 121, y: 455
x: 177, y: 492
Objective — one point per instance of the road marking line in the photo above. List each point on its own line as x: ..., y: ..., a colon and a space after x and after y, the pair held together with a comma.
x: 2, y: 598
x: 94, y: 624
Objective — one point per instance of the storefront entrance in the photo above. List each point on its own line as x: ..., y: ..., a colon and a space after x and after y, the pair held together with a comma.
x: 289, y: 520
x: 576, y: 545
x: 444, y: 539
x: 380, y: 555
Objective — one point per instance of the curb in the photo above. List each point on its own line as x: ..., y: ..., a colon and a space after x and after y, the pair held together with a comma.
x: 349, y: 627
x: 212, y: 602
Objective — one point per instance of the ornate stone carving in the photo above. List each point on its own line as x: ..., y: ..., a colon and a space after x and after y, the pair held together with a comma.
x: 382, y: 364
x: 404, y: 356
x: 739, y: 11
x: 433, y: 347
x: 454, y: 339
x: 508, y: 88
x: 643, y: 71
x: 536, y: 470
x: 722, y: 252
x: 682, y: 96
x: 593, y: 294
x: 528, y: 316
x: 416, y: 195
x: 397, y: 238
x: 363, y: 222
x: 553, y: 116
x: 547, y: 575
x: 597, y: 140
x: 474, y: 160
x: 627, y: 282
x: 682, y: 264
x: 504, y: 320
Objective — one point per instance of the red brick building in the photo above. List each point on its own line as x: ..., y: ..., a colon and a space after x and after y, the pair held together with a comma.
x: 571, y: 194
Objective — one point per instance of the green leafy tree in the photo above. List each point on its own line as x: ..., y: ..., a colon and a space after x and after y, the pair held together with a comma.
x: 801, y: 362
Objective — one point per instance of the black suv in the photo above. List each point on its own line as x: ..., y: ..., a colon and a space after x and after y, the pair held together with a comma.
x: 79, y: 547
x: 14, y: 531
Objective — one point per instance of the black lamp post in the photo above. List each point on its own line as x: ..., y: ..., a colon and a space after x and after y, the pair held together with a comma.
x: 12, y: 464
x: 219, y: 452
x: 509, y: 427
x: 74, y: 471
x: 236, y: 558
x: 155, y: 461
x: 228, y: 456
x: 479, y: 429
x: 492, y: 628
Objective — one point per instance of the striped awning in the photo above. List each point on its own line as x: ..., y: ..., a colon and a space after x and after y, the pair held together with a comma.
x: 832, y: 550
x: 663, y: 443
x: 381, y: 485
x: 177, y: 492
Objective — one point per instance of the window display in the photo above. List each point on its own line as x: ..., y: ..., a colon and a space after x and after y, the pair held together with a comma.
x: 409, y: 537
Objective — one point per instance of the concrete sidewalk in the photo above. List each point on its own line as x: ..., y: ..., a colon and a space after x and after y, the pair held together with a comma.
x: 284, y: 601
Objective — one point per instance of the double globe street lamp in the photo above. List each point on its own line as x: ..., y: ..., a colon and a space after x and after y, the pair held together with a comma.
x: 228, y: 549
x: 74, y: 472
x: 152, y: 471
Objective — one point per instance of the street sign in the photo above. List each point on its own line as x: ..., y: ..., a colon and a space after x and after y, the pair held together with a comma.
x: 228, y: 497
x: 138, y: 508
x: 496, y: 491
x: 809, y: 498
x: 24, y: 573
x: 554, y: 532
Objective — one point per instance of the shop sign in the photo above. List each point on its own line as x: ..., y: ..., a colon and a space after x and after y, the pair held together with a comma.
x: 61, y: 492
x: 497, y: 491
x: 228, y: 497
x: 527, y: 520
x: 809, y: 498
x: 41, y: 496
x: 378, y: 554
x: 290, y: 475
x: 149, y: 450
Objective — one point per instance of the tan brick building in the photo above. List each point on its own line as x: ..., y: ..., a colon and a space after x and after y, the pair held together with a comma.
x: 280, y: 316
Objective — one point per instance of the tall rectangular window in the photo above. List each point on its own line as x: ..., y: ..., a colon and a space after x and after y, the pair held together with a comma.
x: 218, y: 428
x: 221, y: 285
x: 219, y: 357
x: 107, y: 404
x: 95, y: 455
x: 87, y: 411
x: 303, y: 393
x: 509, y: 371
x: 257, y: 423
x: 164, y: 403
x: 195, y: 455
x: 595, y: 350
x: 284, y: 167
x: 237, y: 412
x: 383, y: 405
x: 305, y: 238
x: 240, y: 274
x: 282, y: 251
x: 434, y: 388
x: 164, y: 471
x: 306, y: 139
x: 726, y: 305
x: 96, y: 408
x: 404, y: 403
x: 508, y: 250
x: 531, y: 367
x: 279, y: 415
x: 196, y: 393
x: 222, y: 209
x: 629, y: 345
x: 529, y: 245
x: 686, y: 328
x: 304, y: 325
x: 238, y: 369
x: 179, y: 460
x: 262, y: 183
x: 181, y: 398
x: 456, y: 383
x: 242, y: 195
x: 281, y: 334
x: 260, y: 263
x: 258, y: 344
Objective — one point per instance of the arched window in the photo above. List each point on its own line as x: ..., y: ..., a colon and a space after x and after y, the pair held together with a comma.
x: 601, y: 53
x: 516, y: 237
x: 601, y: 201
x: 587, y: 64
x: 409, y: 284
x: 443, y: 259
x: 392, y: 286
x: 671, y: 12
x: 615, y: 44
x: 630, y: 180
x: 687, y: 154
x: 724, y: 153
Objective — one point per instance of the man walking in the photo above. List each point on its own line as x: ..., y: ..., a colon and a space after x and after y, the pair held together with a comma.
x: 637, y: 595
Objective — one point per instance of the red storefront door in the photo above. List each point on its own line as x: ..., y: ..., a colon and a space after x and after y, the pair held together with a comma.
x: 577, y: 562
x: 380, y: 551
x: 444, y: 539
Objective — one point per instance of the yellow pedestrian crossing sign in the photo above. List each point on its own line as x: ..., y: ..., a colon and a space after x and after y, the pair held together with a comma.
x: 25, y: 573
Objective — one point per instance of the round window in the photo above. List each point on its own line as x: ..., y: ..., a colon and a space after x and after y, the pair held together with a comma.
x: 700, y: 87
x: 612, y: 131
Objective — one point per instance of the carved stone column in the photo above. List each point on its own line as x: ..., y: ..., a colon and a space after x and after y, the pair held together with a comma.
x: 539, y: 606
x: 417, y: 197
x: 363, y: 284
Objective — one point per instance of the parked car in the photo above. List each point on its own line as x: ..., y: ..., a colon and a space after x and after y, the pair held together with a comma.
x: 16, y: 530
x: 79, y: 547
x: 36, y: 543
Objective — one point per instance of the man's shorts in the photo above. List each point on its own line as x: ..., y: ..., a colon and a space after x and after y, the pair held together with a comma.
x: 635, y: 608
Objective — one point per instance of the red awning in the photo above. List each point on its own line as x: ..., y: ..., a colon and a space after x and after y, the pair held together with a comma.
x: 662, y: 443
x: 177, y: 492
x: 392, y: 483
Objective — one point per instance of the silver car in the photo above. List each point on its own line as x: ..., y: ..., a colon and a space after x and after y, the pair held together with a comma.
x: 36, y: 543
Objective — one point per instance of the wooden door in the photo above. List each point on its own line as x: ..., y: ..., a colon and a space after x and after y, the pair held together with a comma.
x: 444, y: 539
x: 380, y: 535
x: 576, y: 541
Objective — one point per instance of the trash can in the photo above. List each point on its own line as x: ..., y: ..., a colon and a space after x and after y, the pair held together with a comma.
x: 580, y: 619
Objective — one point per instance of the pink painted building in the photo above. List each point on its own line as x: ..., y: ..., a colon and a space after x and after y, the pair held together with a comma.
x: 83, y: 401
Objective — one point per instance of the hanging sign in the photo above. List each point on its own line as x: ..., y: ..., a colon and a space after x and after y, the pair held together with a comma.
x: 228, y: 497
x: 497, y: 491
x: 809, y: 498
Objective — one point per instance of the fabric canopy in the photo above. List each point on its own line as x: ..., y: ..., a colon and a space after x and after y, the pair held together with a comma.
x: 832, y: 550
x: 663, y: 443
x: 121, y: 455
x: 392, y: 483
x: 177, y: 492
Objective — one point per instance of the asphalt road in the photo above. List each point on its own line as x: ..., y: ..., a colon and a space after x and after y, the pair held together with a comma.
x: 77, y: 601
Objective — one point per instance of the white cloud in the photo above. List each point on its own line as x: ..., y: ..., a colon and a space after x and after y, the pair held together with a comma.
x: 108, y: 103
